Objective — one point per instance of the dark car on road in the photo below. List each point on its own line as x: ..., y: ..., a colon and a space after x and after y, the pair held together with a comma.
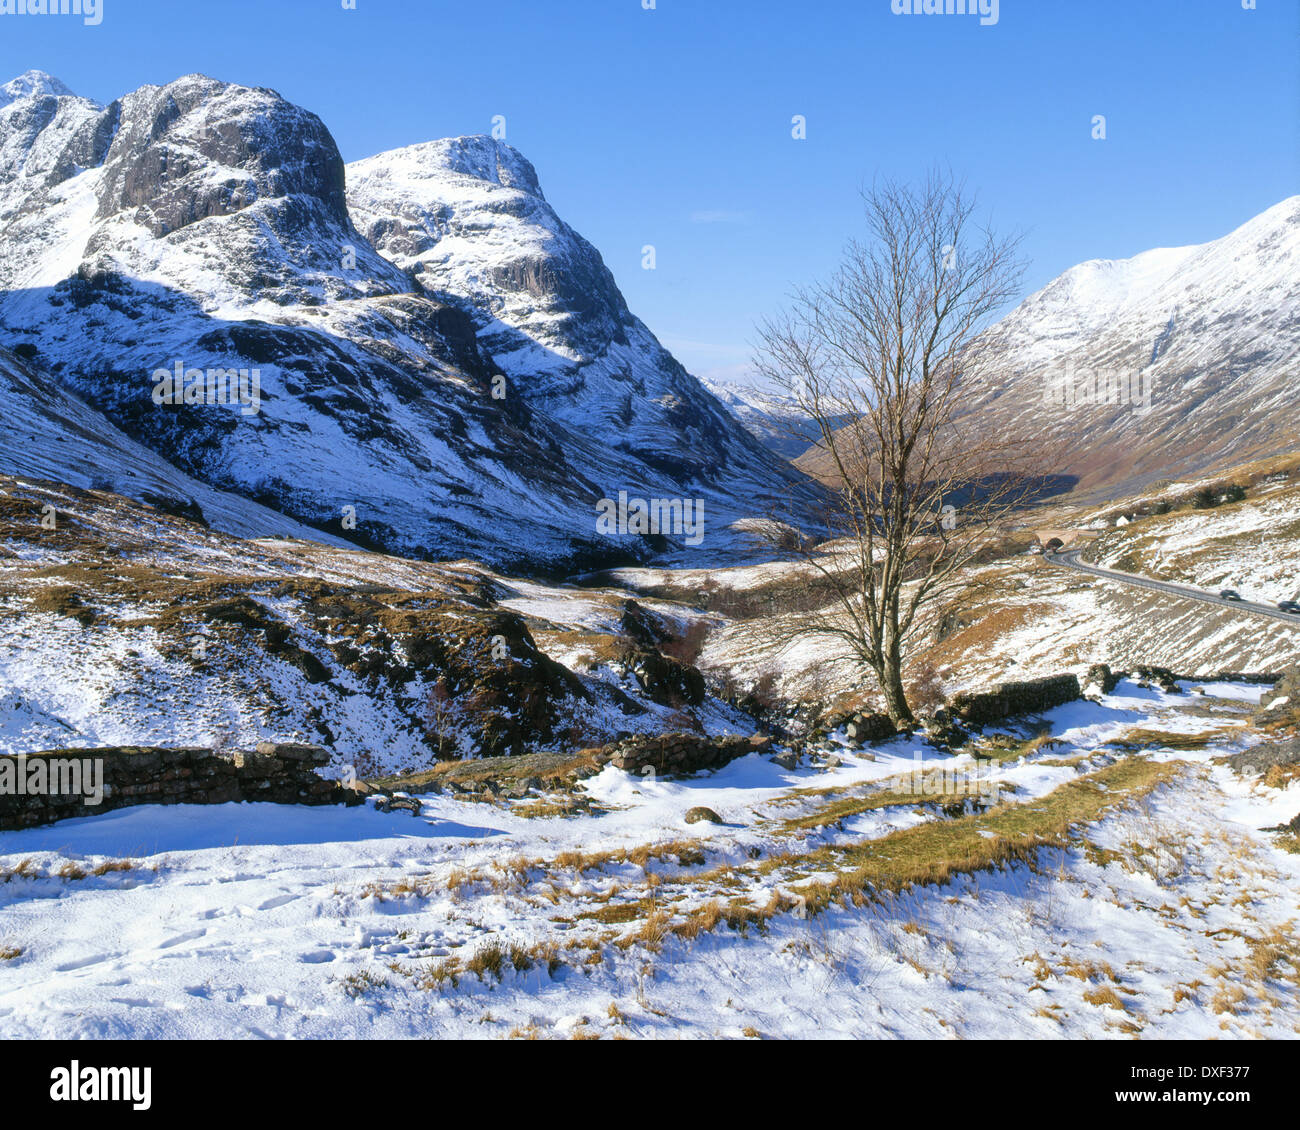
x: 1289, y: 606
x: 1229, y: 594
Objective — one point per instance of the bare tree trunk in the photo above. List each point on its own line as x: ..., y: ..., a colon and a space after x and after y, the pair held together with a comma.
x: 891, y: 684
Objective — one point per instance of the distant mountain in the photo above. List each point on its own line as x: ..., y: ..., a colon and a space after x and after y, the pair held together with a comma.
x: 773, y: 418
x: 1197, y: 348
x: 1163, y: 366
x: 213, y: 226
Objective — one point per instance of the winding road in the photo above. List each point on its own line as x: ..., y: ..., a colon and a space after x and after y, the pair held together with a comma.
x: 1069, y: 559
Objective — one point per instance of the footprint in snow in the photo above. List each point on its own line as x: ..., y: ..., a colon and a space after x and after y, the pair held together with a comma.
x: 83, y: 962
x: 180, y: 939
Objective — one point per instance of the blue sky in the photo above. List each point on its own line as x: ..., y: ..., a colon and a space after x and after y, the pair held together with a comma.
x: 672, y: 126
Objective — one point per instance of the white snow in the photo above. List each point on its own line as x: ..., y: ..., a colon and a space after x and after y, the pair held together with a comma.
x: 260, y: 921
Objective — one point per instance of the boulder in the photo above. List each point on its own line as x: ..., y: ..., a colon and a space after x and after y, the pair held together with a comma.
x: 1161, y: 677
x: 873, y: 727
x: 700, y: 813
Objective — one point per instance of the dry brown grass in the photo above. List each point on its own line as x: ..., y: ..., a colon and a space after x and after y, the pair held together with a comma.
x: 1228, y: 999
x: 1105, y: 996
x: 1088, y: 970
x: 112, y: 865
x: 489, y: 960
x: 934, y: 853
x: 23, y: 869
x: 1144, y: 738
x: 1279, y: 776
x: 439, y: 974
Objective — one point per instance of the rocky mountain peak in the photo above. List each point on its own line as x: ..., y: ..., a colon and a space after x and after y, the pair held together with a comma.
x: 482, y: 157
x: 33, y: 84
x: 198, y: 147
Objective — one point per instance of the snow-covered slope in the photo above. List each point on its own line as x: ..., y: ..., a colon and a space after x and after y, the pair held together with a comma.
x: 206, y: 225
x: 117, y: 612
x: 1205, y: 340
x: 1162, y: 911
x: 50, y: 434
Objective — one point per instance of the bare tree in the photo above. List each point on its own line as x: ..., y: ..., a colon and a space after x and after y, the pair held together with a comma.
x: 439, y: 719
x: 887, y: 344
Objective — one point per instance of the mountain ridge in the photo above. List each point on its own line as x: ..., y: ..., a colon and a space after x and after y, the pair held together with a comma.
x: 209, y: 225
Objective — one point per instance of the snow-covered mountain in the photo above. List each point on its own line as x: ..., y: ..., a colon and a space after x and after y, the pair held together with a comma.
x: 774, y: 418
x: 467, y: 217
x: 208, y: 226
x: 1195, y: 347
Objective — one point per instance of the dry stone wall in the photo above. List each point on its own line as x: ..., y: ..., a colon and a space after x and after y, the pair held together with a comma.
x: 39, y: 788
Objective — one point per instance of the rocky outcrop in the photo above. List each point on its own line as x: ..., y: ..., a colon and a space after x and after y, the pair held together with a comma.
x: 666, y: 680
x: 1030, y: 697
x: 1161, y: 677
x: 1261, y: 758
x: 40, y: 788
x: 1279, y: 706
x: 1100, y: 679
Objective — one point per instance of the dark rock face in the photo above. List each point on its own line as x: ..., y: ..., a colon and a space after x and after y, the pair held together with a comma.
x: 489, y: 666
x: 131, y: 775
x: 279, y: 151
x: 642, y: 627
x: 177, y: 507
x: 666, y: 680
x: 1008, y: 699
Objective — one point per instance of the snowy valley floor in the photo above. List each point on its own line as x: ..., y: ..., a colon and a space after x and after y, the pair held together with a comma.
x: 1114, y: 892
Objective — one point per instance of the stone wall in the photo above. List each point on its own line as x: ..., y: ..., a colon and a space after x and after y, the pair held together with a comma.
x: 1008, y: 699
x: 680, y: 753
x: 282, y: 773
